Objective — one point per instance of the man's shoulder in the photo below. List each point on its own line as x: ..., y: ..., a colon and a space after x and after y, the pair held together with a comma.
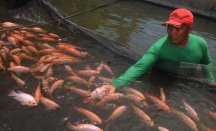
x: 161, y: 41
x: 197, y: 39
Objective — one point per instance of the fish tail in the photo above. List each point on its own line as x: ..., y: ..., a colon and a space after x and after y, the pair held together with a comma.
x: 105, y: 121
x: 70, y: 126
x: 12, y: 93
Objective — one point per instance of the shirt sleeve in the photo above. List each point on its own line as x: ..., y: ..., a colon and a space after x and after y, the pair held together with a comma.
x: 208, y: 70
x: 139, y: 68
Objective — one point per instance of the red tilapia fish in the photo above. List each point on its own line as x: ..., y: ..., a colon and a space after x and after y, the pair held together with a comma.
x: 210, y: 114
x: 19, y: 69
x: 136, y: 99
x: 23, y: 98
x: 90, y: 115
x: 83, y: 127
x: 19, y: 82
x: 133, y: 91
x: 49, y: 105
x: 187, y: 120
x: 159, y: 104
x: 86, y: 73
x: 142, y: 115
x: 118, y: 112
x: 76, y: 79
x: 111, y: 97
x: 100, y: 92
x: 103, y: 106
x: 205, y: 128
x: 77, y: 91
x: 57, y: 84
x: 37, y: 93
x: 192, y: 113
x: 163, y: 97
x: 162, y: 129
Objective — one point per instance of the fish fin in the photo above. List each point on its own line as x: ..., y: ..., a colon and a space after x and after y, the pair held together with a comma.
x: 70, y: 125
x: 105, y: 121
x: 24, y: 102
x: 19, y: 92
x: 88, y: 67
x: 12, y: 93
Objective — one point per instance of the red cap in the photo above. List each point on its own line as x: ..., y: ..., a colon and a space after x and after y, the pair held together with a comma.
x: 179, y: 17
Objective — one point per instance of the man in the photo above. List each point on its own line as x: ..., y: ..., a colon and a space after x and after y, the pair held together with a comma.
x: 178, y: 46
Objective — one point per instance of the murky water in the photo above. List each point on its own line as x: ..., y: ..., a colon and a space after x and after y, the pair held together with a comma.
x: 135, y: 24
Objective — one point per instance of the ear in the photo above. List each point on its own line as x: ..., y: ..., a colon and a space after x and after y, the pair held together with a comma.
x: 190, y: 28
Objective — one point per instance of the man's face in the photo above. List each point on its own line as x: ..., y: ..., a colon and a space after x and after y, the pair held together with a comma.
x: 178, y: 35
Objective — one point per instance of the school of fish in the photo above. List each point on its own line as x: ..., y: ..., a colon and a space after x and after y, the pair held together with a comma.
x: 50, y: 53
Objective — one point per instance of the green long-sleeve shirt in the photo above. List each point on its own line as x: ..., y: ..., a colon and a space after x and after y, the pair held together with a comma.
x: 196, y: 51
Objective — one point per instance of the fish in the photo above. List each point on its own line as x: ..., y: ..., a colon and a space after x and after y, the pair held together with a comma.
x: 71, y: 46
x: 19, y: 69
x: 191, y: 112
x: 57, y: 84
x: 49, y: 105
x: 19, y: 82
x: 142, y: 115
x: 136, y: 99
x: 190, y: 123
x: 205, y: 128
x: 6, y: 49
x: 77, y: 91
x: 82, y: 127
x: 90, y: 115
x: 33, y: 50
x: 48, y: 39
x: 159, y: 104
x: 27, y: 57
x: 53, y: 35
x: 16, y: 50
x: 41, y: 59
x: 12, y: 64
x: 3, y: 54
x: 111, y: 97
x: 163, y: 97
x: 45, y: 85
x: 37, y: 94
x: 38, y: 67
x: 28, y: 43
x: 103, y: 106
x: 160, y: 128
x: 100, y: 92
x: 107, y: 68
x: 133, y: 91
x: 49, y: 72
x: 117, y: 113
x: 104, y: 79
x: 210, y: 114
x: 26, y: 50
x: 86, y: 73
x: 30, y: 35
x: 76, y: 79
x: 9, y: 25
x: 40, y: 46
x: 12, y: 40
x: 69, y: 70
x: 91, y: 80
x: 47, y: 46
x: 23, y: 98
x: 46, y: 67
x: 65, y: 61
x: 48, y: 51
x: 38, y: 30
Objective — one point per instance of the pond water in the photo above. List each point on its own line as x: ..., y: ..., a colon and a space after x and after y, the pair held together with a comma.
x: 132, y: 23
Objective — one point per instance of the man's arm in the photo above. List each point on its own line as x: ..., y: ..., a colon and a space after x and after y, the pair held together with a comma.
x: 139, y: 68
x: 208, y: 70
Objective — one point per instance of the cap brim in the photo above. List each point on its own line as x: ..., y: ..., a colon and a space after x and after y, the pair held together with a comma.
x: 172, y: 22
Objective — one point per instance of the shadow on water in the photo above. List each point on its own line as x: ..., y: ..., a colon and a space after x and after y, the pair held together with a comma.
x: 17, y: 117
